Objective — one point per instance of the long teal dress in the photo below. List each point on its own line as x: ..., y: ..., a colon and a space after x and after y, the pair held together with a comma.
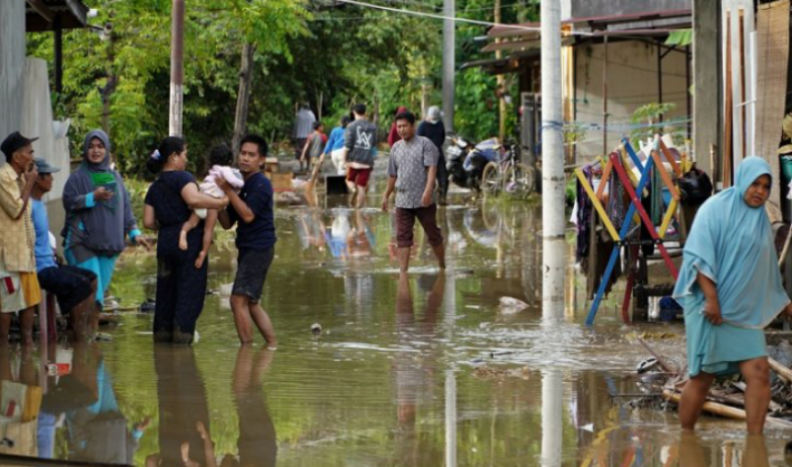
x: 732, y: 244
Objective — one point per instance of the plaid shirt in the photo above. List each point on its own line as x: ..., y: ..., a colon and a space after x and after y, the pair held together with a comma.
x: 409, y: 163
x: 17, y: 237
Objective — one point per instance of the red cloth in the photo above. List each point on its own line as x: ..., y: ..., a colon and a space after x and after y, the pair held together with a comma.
x: 393, y: 135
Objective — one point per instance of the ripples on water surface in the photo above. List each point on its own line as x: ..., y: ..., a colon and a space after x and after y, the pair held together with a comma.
x: 393, y: 379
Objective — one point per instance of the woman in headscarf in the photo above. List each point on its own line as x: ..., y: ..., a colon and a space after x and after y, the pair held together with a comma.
x: 98, y: 213
x: 393, y: 135
x: 730, y: 288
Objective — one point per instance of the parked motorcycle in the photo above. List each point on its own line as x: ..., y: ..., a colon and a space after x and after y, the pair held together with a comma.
x: 465, y: 162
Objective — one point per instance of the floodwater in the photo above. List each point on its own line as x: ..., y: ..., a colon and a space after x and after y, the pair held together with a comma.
x: 425, y: 372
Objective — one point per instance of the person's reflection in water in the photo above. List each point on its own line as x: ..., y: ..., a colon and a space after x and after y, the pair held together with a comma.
x: 691, y: 453
x: 257, y: 443
x: 408, y: 368
x: 360, y: 240
x: 21, y: 397
x: 84, y: 401
x: 184, y: 436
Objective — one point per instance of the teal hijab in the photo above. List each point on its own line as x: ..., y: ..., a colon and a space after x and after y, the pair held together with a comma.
x: 732, y: 244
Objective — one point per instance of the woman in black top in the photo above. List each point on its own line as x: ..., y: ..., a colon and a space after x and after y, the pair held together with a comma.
x: 181, y: 288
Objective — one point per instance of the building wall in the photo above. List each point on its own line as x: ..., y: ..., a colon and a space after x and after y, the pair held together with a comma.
x: 12, y: 64
x: 632, y: 82
x: 590, y: 8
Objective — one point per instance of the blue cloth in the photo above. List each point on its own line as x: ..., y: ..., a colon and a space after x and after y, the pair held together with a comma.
x: 259, y: 234
x: 732, y: 244
x: 102, y: 266
x: 45, y: 257
x: 336, y: 140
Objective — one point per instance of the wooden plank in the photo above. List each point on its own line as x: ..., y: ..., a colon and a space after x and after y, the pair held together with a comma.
x: 728, y: 107
x: 606, y: 173
x: 722, y: 410
x: 597, y: 205
x: 664, y: 175
x: 667, y: 219
x: 782, y: 371
x: 667, y: 153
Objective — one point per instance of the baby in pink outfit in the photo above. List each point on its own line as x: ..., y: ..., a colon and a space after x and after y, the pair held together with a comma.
x: 221, y: 159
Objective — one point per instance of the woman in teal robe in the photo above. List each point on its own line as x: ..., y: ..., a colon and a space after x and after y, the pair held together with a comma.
x: 731, y: 289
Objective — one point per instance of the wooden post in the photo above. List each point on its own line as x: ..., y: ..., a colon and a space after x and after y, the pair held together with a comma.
x: 707, y: 81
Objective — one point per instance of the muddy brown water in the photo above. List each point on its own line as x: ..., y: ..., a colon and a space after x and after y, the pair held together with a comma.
x: 423, y: 372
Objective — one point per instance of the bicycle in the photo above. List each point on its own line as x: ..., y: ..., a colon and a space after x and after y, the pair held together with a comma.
x: 508, y: 175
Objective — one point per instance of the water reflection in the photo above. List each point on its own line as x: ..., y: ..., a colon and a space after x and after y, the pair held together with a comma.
x: 423, y: 371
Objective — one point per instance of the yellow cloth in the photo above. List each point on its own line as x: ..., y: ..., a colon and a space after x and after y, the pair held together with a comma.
x: 18, y: 291
x: 17, y: 237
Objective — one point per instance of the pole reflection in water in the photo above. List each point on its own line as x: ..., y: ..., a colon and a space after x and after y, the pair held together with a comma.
x: 552, y: 417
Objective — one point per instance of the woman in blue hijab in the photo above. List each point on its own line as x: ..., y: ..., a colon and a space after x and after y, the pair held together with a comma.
x: 99, y: 214
x: 730, y: 288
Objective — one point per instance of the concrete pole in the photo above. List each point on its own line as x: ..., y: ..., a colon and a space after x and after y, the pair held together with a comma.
x: 449, y: 64
x: 553, y: 218
x: 177, y: 68
x: 552, y: 122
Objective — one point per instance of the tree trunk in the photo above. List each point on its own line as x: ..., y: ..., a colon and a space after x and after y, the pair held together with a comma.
x: 243, y: 96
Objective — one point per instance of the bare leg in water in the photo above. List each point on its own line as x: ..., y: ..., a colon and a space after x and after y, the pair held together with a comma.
x: 694, y: 395
x: 246, y: 310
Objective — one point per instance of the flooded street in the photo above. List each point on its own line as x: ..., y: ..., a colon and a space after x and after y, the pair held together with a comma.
x: 431, y: 371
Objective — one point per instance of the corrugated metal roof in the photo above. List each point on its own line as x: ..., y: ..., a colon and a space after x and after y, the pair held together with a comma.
x: 40, y: 14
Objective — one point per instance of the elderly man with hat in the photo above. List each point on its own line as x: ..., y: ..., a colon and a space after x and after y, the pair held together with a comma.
x: 19, y: 286
x: 74, y: 287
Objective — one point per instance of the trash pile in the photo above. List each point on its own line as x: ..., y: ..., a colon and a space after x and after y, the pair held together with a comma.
x: 661, y: 379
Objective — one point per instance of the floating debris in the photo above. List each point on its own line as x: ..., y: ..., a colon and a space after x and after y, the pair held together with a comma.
x: 316, y: 329
x: 511, y: 305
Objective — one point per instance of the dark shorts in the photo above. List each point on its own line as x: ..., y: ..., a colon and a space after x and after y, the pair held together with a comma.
x: 252, y: 267
x: 70, y: 284
x: 359, y: 177
x: 405, y: 220
x: 299, y: 145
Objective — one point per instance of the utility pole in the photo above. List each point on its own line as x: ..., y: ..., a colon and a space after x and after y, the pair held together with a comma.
x: 177, y: 68
x: 553, y: 222
x: 501, y: 82
x: 449, y: 63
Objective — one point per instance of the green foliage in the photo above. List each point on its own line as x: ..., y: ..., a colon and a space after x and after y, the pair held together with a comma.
x: 330, y: 56
x: 648, y: 114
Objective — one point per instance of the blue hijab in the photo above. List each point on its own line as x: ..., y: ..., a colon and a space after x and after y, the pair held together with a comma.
x: 732, y: 244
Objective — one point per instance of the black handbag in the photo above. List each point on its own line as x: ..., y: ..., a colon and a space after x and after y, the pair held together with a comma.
x: 695, y: 187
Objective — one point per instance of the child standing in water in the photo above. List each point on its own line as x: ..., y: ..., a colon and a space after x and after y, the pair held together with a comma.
x: 220, y: 159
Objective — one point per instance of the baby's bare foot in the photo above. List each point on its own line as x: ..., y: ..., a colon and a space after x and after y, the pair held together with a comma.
x: 183, y: 240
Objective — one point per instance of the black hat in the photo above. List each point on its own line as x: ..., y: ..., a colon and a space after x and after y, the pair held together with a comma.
x: 14, y: 142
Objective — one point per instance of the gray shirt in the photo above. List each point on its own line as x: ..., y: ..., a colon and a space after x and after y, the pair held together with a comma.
x: 303, y: 124
x: 360, y: 138
x: 409, y: 163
